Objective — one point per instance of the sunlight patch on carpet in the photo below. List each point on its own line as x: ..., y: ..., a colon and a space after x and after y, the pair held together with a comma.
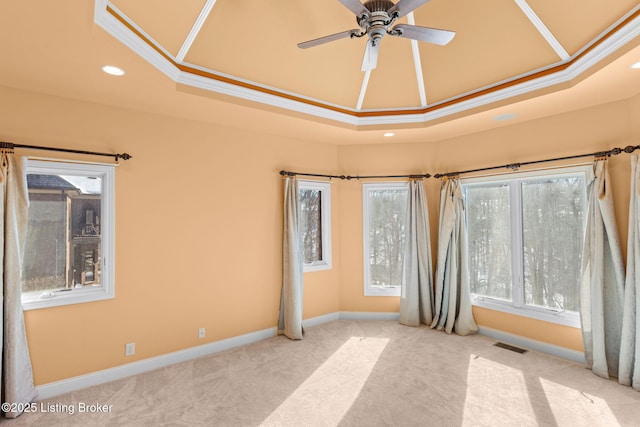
x: 574, y: 407
x: 326, y: 396
x: 498, y: 394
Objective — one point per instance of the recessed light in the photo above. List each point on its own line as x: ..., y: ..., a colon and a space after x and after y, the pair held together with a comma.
x: 114, y: 71
x: 636, y: 66
x: 503, y: 117
x: 389, y: 134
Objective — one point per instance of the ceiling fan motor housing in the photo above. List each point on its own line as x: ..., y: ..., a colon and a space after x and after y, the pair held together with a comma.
x: 378, y: 5
x: 376, y: 25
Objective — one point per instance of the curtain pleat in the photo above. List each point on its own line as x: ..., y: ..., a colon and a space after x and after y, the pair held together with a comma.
x: 629, y: 369
x: 290, y: 321
x: 416, y: 298
x: 17, y: 375
x: 452, y: 300
x: 602, y: 283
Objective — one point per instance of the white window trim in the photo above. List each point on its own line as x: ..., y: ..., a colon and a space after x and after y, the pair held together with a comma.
x: 325, y: 206
x: 517, y: 306
x: 375, y: 291
x: 37, y: 300
x: 567, y: 318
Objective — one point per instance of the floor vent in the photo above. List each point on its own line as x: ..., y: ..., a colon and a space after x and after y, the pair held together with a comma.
x: 510, y: 347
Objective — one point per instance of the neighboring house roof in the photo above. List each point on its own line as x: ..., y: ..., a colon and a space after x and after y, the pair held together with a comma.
x: 48, y: 182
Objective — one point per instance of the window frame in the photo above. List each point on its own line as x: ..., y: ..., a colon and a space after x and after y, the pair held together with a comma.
x: 37, y: 300
x: 324, y: 188
x: 369, y: 290
x: 517, y: 305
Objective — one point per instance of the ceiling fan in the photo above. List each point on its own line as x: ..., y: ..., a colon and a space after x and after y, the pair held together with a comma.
x: 374, y: 18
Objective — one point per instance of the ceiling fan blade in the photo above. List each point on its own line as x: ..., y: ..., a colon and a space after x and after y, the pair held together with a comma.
x: 404, y: 7
x: 430, y: 35
x: 327, y: 39
x: 370, y: 60
x: 355, y: 6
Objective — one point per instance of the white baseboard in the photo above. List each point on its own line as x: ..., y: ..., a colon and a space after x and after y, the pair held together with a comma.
x: 349, y: 315
x: 531, y: 344
x: 68, y: 385
x: 364, y: 315
x: 325, y: 318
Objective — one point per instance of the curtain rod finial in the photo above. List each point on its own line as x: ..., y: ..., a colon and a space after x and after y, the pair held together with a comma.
x: 123, y: 156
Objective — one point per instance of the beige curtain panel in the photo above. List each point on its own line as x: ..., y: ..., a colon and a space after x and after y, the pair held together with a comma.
x: 452, y: 299
x: 629, y: 369
x: 290, y: 321
x: 17, y: 375
x: 602, y: 283
x: 416, y: 298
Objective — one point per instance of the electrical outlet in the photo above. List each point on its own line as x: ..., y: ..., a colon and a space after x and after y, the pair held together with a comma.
x: 201, y: 333
x: 130, y: 349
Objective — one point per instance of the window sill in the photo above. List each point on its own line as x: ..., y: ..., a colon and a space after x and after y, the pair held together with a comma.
x: 316, y: 266
x: 566, y: 318
x: 391, y: 291
x: 36, y: 300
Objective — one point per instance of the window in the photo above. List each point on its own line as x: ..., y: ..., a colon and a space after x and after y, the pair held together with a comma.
x: 385, y: 212
x: 315, y: 224
x: 69, y: 251
x: 525, y: 237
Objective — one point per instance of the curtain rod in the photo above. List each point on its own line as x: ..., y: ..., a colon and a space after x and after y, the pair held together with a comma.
x: 117, y: 156
x: 516, y: 166
x: 350, y: 177
x: 512, y: 166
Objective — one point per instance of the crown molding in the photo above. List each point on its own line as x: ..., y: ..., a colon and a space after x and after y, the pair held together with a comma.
x: 127, y: 32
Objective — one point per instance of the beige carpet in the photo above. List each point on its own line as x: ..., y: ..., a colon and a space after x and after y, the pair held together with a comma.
x: 356, y: 373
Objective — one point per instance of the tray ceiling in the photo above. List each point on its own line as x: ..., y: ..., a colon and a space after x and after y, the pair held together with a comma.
x: 503, y: 49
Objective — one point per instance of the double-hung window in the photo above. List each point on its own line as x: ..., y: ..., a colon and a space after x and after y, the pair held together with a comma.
x: 315, y: 224
x: 525, y: 235
x: 384, y: 219
x: 69, y: 249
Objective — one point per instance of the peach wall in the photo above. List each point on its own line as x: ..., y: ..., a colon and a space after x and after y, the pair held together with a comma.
x: 585, y: 131
x: 199, y: 212
x: 198, y: 232
x: 634, y: 117
x: 559, y: 335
